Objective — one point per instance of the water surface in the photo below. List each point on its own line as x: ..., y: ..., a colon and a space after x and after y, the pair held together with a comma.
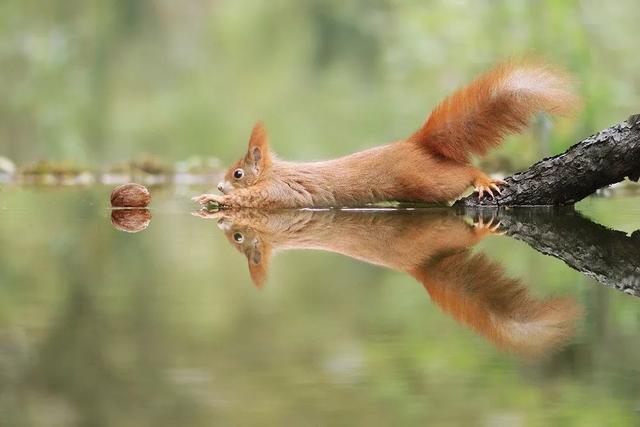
x: 417, y: 318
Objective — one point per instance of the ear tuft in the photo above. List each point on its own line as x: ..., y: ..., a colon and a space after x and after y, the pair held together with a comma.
x: 258, y: 274
x: 258, y: 260
x: 258, y: 136
x: 258, y: 152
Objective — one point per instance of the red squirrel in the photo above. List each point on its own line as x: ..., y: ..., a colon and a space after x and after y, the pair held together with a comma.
x: 431, y: 166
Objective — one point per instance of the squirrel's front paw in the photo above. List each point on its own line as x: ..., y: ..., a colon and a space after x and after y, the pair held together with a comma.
x: 205, y: 199
x: 208, y: 214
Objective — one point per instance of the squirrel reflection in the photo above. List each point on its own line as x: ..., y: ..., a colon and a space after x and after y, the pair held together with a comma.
x: 433, y: 247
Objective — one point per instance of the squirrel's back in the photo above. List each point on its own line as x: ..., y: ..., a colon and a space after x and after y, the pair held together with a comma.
x: 476, y: 117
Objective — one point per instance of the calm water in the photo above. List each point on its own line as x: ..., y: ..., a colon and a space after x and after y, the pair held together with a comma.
x: 411, y: 318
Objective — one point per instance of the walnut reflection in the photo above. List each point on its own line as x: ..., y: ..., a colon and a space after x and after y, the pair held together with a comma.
x: 131, y: 220
x: 433, y: 247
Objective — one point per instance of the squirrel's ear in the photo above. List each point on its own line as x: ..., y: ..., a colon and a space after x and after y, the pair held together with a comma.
x: 258, y: 258
x: 258, y: 155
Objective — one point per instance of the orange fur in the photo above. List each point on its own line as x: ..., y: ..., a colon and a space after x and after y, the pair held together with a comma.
x: 477, y: 293
x: 476, y: 117
x: 431, y: 246
x: 431, y: 166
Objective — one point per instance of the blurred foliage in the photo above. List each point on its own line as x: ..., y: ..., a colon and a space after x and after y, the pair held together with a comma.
x: 198, y: 165
x: 145, y: 163
x: 101, y: 81
x: 58, y: 168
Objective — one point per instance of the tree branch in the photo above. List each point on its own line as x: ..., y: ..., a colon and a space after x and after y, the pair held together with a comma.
x: 605, y: 158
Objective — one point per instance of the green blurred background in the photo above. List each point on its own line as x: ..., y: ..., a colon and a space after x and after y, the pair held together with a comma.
x: 102, y: 81
x: 99, y: 327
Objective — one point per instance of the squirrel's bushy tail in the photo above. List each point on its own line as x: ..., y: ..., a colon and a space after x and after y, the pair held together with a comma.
x: 476, y: 117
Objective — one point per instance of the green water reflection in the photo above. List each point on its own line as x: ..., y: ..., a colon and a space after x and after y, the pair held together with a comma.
x: 422, y: 322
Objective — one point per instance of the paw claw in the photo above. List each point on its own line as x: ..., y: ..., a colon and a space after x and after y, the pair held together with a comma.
x: 488, y: 185
x: 205, y: 214
x: 487, y: 228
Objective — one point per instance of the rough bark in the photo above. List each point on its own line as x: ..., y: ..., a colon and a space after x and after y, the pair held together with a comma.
x: 609, y: 256
x: 605, y: 158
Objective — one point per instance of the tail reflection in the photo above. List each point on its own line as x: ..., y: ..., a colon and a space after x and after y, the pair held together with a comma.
x: 477, y: 293
x: 433, y: 247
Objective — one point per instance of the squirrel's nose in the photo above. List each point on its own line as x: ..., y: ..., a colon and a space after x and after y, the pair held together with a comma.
x: 221, y: 187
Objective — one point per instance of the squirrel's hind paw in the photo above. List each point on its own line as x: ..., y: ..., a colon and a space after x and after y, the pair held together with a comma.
x: 489, y: 185
x: 491, y: 227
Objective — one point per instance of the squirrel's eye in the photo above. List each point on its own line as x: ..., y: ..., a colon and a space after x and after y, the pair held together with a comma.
x: 238, y: 237
x: 238, y: 173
